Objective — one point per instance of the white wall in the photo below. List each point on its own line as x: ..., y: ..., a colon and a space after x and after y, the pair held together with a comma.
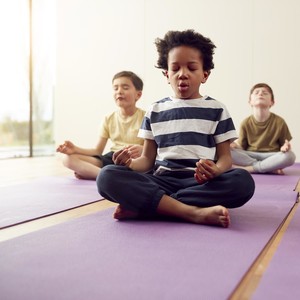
x: 257, y: 41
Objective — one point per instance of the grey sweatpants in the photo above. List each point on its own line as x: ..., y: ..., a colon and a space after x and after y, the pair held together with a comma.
x: 263, y: 162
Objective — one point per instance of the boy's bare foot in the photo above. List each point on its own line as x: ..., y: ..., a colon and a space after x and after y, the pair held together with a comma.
x: 277, y: 172
x: 123, y: 214
x: 215, y: 215
x: 82, y: 177
x: 251, y: 170
x: 77, y: 176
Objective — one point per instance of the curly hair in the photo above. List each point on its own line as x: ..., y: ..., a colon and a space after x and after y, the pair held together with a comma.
x: 136, y: 80
x: 189, y: 38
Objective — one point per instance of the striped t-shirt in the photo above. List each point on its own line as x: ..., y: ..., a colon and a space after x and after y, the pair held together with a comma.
x: 186, y: 130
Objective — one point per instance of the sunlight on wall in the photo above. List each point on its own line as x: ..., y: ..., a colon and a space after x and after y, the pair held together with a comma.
x: 27, y: 77
x: 14, y: 59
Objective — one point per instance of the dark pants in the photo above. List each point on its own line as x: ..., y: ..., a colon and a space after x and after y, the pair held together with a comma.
x: 106, y: 158
x: 140, y: 192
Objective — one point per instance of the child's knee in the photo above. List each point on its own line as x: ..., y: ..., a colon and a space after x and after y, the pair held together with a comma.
x: 105, y: 175
x: 103, y: 180
x: 68, y: 161
x: 291, y: 157
x: 245, y: 183
x: 110, y: 181
x: 108, y: 177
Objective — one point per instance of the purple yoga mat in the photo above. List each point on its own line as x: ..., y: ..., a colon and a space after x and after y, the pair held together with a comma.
x: 96, y: 257
x: 45, y: 196
x: 281, y: 280
x: 287, y: 181
x: 293, y: 170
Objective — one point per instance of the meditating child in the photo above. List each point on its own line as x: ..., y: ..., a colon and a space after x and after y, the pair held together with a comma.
x: 264, y: 144
x: 121, y: 127
x: 184, y: 170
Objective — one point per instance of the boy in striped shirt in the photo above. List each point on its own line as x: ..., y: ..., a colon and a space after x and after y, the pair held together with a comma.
x: 185, y: 168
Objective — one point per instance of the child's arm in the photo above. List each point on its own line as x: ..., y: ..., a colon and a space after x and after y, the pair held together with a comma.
x: 286, y: 146
x: 206, y: 169
x: 69, y: 148
x: 143, y: 163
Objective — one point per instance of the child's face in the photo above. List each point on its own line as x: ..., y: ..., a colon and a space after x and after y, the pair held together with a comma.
x: 261, y: 97
x: 185, y: 72
x: 125, y: 93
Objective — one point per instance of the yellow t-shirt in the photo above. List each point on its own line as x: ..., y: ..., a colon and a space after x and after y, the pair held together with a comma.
x: 122, y: 131
x: 266, y: 136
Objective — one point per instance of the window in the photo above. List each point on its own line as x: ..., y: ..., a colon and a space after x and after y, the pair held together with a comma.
x: 27, y: 77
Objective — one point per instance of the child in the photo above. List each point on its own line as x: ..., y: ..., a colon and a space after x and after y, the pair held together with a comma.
x: 184, y: 170
x: 263, y: 145
x: 121, y: 127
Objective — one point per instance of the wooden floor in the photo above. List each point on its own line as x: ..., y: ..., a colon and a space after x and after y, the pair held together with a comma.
x: 20, y: 170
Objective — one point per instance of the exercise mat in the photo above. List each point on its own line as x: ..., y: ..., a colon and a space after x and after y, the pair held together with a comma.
x: 45, y: 196
x: 97, y: 257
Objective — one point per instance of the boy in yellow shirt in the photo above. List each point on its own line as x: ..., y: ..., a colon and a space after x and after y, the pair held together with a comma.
x: 121, y: 127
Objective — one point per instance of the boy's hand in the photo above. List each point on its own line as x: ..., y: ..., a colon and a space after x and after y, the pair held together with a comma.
x: 135, y: 150
x: 206, y: 169
x: 122, y: 157
x: 67, y: 148
x: 286, y: 146
x: 235, y: 145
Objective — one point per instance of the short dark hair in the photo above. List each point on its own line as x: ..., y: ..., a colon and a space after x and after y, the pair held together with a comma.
x: 262, y: 85
x: 136, y: 80
x: 189, y: 38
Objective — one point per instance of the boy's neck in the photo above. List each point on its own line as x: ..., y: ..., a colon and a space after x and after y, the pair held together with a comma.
x: 196, y: 98
x: 261, y: 114
x: 127, y: 112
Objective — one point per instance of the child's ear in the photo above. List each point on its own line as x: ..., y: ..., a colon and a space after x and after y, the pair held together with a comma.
x: 206, y: 74
x: 273, y: 102
x: 138, y: 95
x: 165, y: 73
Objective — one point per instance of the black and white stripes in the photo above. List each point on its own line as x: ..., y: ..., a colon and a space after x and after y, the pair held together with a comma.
x: 187, y: 130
